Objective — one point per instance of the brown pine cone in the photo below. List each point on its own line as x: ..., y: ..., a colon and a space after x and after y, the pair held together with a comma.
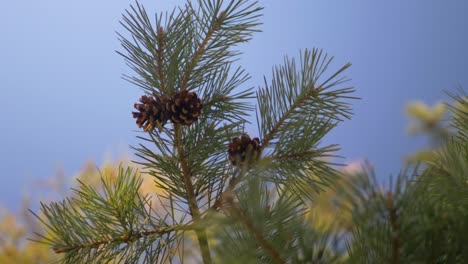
x: 152, y: 112
x: 244, y: 150
x: 184, y: 107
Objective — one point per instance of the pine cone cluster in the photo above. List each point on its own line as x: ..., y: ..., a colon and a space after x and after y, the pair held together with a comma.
x: 152, y: 112
x: 243, y: 150
x: 183, y: 108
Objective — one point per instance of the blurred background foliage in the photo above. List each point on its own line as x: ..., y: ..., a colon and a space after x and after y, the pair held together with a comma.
x: 326, y: 214
x: 16, y: 228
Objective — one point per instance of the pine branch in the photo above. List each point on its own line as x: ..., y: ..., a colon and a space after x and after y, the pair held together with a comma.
x: 265, y: 226
x: 459, y: 110
x: 296, y: 110
x: 106, y: 223
x: 285, y: 116
x: 217, y: 27
x: 228, y: 191
x: 395, y: 229
x: 160, y: 52
x: 221, y: 100
x: 215, y: 101
x: 128, y: 238
x: 237, y: 180
x: 243, y: 217
x: 192, y: 200
x: 295, y: 94
x: 301, y: 155
x: 201, y: 48
x: 147, y: 47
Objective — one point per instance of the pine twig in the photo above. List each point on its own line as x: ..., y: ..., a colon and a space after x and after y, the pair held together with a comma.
x: 201, y: 48
x: 283, y: 119
x: 232, y: 184
x: 160, y: 51
x: 192, y: 200
x: 262, y: 242
x: 123, y: 239
x: 395, y: 228
x: 214, y: 101
x: 295, y: 155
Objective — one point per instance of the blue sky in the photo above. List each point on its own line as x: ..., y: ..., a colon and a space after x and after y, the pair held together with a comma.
x: 63, y: 101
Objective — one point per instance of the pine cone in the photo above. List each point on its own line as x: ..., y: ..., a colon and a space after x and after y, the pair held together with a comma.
x: 184, y: 107
x: 152, y: 112
x: 244, y: 150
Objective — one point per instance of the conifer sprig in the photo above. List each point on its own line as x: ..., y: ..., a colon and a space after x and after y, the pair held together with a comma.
x: 195, y: 41
x: 459, y: 111
x: 222, y: 98
x: 420, y: 219
x: 298, y: 91
x: 296, y: 110
x: 109, y: 223
x: 268, y: 227
x: 217, y: 27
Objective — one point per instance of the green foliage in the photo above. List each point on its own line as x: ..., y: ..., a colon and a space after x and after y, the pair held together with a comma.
x: 256, y: 212
x: 17, y: 228
x: 423, y: 218
x: 115, y: 215
x: 270, y: 227
x: 296, y: 110
x: 14, y: 246
x: 459, y: 115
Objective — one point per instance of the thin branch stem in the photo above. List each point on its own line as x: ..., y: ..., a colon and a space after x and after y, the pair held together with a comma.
x: 281, y: 121
x: 160, y: 51
x: 232, y: 185
x: 395, y: 228
x: 214, y: 101
x: 218, y: 203
x: 124, y: 239
x: 201, y: 48
x: 295, y: 155
x: 192, y: 200
x: 262, y: 242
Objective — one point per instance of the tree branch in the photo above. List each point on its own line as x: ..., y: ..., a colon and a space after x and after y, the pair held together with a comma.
x: 215, y: 101
x: 295, y: 155
x: 281, y: 121
x: 201, y: 48
x: 395, y: 228
x: 123, y: 239
x: 262, y: 242
x: 192, y: 200
x: 160, y: 51
x: 232, y: 184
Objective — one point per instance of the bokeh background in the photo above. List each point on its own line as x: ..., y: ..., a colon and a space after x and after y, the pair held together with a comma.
x: 63, y: 102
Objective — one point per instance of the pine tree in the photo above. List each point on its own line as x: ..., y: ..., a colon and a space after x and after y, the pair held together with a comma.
x: 423, y: 217
x: 233, y: 197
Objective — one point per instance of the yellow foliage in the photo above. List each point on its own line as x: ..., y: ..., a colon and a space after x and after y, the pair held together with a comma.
x: 326, y: 211
x: 426, y: 117
x: 14, y: 246
x: 420, y: 110
x: 427, y: 156
x: 15, y: 230
x: 428, y: 121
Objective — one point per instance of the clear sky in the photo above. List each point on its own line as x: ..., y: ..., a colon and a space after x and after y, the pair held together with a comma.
x: 63, y: 101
